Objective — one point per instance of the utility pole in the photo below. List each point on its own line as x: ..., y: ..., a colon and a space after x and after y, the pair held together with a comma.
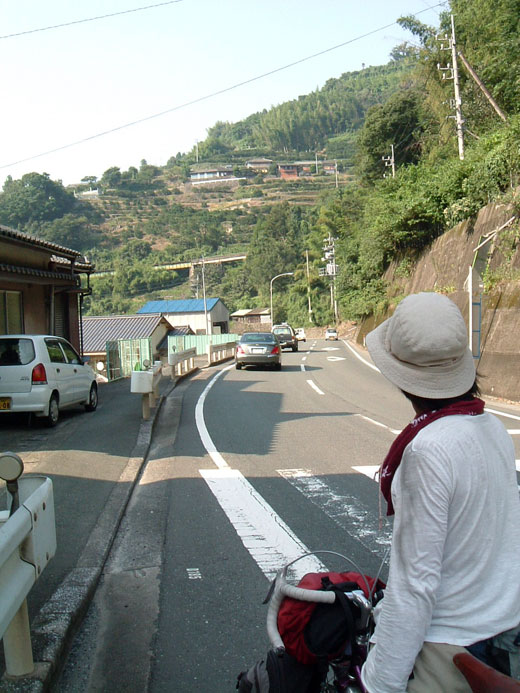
x: 336, y: 169
x: 316, y: 159
x: 205, y: 302
x: 451, y: 71
x: 390, y: 161
x: 331, y: 270
x: 308, y: 286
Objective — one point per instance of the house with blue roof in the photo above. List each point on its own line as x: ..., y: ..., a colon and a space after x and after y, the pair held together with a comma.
x: 210, y: 316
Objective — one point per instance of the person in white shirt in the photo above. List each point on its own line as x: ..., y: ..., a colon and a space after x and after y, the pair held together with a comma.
x: 454, y: 578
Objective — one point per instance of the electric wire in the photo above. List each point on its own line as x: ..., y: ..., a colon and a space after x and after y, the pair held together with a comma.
x: 206, y: 97
x: 90, y: 19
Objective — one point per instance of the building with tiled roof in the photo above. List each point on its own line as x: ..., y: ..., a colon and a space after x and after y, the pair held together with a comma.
x: 41, y: 286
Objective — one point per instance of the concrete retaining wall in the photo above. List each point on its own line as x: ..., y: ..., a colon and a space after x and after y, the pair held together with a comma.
x: 444, y: 267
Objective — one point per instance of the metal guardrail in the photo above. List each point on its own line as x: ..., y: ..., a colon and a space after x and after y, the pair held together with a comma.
x: 27, y: 544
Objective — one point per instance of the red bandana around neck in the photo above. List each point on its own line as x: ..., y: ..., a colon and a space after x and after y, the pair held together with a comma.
x: 392, y: 461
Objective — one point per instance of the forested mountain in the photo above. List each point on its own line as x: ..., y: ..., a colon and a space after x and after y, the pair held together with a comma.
x: 149, y: 215
x: 314, y: 121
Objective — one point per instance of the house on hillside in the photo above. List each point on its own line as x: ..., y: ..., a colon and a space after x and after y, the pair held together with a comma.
x: 192, y: 312
x: 115, y: 343
x: 288, y: 171
x: 216, y: 173
x: 252, y: 316
x: 41, y: 287
x: 329, y: 167
x: 261, y: 165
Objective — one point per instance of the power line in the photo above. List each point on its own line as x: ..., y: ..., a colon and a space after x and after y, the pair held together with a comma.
x: 207, y: 96
x: 90, y: 19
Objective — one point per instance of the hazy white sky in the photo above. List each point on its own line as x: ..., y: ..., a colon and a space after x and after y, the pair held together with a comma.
x: 69, y: 84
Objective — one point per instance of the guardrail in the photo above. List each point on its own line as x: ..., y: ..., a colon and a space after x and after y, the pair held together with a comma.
x: 182, y: 362
x: 27, y: 544
x: 221, y: 352
x: 146, y: 383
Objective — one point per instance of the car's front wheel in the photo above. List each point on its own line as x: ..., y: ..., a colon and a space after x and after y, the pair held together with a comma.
x: 92, y: 403
x: 238, y: 366
x: 54, y: 412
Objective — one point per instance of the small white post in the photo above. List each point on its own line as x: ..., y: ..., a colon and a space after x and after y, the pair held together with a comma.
x: 17, y: 644
x: 146, y: 406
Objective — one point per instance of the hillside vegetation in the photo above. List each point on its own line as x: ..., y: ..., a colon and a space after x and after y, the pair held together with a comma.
x: 152, y: 215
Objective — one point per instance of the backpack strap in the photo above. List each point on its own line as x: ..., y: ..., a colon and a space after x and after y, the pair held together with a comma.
x: 347, y: 610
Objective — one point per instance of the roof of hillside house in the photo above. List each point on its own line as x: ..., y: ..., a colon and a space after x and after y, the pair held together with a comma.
x: 183, y: 305
x: 181, y: 331
x: 243, y: 312
x: 98, y: 330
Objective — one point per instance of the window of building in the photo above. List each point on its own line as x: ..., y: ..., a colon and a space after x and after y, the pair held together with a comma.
x: 11, y: 315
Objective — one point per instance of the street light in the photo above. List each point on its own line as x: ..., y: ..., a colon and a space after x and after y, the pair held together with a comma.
x: 284, y: 274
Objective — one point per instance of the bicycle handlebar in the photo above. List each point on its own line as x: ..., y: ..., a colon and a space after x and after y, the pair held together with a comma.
x: 281, y: 588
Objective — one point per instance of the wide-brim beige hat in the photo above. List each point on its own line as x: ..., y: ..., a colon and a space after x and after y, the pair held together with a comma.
x: 423, y: 348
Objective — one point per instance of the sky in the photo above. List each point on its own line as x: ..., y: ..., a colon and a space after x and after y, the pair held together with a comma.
x: 63, y: 87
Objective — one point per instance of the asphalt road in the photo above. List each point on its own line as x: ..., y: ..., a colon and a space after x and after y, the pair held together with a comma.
x: 248, y: 469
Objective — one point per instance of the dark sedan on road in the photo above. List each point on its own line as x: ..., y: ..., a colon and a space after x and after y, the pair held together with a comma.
x: 258, y: 349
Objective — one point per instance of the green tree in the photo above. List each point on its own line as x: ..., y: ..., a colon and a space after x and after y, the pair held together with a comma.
x: 111, y: 178
x: 34, y: 198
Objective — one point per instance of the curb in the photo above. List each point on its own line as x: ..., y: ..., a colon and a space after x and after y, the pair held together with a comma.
x: 55, y: 625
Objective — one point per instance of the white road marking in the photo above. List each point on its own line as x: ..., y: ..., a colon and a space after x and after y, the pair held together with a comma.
x: 378, y: 423
x: 330, y: 348
x: 514, y: 431
x: 345, y: 510
x: 194, y: 574
x: 369, y: 470
x: 367, y: 363
x: 501, y: 413
x: 315, y: 387
x: 517, y: 462
x: 304, y: 358
x: 336, y: 358
x: 201, y: 425
x: 264, y: 534
x: 302, y: 367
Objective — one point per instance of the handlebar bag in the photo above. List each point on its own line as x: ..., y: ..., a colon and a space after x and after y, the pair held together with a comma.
x: 310, y: 631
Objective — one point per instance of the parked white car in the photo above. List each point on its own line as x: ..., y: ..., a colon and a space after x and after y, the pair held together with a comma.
x: 300, y: 334
x: 43, y: 374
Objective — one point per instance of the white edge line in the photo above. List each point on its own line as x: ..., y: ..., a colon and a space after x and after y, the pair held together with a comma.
x: 371, y: 365
x: 367, y: 363
x: 207, y: 442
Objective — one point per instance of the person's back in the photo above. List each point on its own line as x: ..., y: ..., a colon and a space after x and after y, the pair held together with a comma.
x: 454, y: 578
x: 461, y: 470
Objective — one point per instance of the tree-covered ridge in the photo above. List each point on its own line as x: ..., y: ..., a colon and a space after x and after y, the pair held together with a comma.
x: 309, y: 122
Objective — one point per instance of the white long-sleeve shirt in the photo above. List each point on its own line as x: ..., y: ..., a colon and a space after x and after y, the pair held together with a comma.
x: 455, y: 560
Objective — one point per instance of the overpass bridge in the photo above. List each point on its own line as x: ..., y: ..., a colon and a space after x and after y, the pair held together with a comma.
x: 186, y: 264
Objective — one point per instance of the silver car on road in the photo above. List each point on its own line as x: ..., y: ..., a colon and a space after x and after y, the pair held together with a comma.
x: 258, y: 349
